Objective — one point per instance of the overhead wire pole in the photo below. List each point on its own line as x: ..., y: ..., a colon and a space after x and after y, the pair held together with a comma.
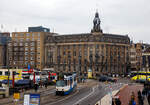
x: 8, y: 67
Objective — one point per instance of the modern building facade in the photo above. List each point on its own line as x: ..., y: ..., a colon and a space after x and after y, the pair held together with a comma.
x: 97, y: 51
x: 146, y: 60
x: 27, y: 48
x: 38, y: 29
x: 4, y: 38
x: 133, y: 60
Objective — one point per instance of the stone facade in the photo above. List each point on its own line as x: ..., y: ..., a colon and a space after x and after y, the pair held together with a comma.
x: 101, y: 52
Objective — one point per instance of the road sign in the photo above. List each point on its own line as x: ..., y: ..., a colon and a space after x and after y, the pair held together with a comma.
x: 31, y: 99
x: 16, y: 96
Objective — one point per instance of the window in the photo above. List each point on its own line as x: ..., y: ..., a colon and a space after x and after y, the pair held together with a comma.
x: 21, y: 49
x: 26, y: 58
x: 15, y: 58
x: 32, y: 53
x: 32, y: 44
x: 38, y: 43
x: 16, y: 35
x: 33, y: 34
x: 7, y: 73
x: 21, y: 58
x: 38, y: 39
x: 21, y: 44
x: 39, y: 34
x: 1, y: 72
x: 32, y: 49
x: 27, y: 39
x: 27, y: 34
x: 26, y: 44
x: 10, y: 58
x: 26, y: 53
x: 38, y: 48
x: 74, y: 53
x: 21, y: 40
x: 10, y: 44
x: 16, y: 39
x: 15, y: 44
x: 26, y: 63
x: 32, y: 62
x: 33, y: 39
x: 16, y: 49
x: 26, y: 49
x: 32, y: 58
x: 21, y: 34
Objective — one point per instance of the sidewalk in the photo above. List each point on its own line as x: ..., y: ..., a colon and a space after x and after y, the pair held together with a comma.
x: 125, y: 94
x: 10, y: 101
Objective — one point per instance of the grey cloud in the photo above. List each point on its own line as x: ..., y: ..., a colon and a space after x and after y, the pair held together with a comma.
x: 76, y: 16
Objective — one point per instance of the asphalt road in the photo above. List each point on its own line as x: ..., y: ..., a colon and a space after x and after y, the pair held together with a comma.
x: 87, y: 95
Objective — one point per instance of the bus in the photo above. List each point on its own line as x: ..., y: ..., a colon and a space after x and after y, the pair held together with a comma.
x: 4, y: 73
x: 140, y: 76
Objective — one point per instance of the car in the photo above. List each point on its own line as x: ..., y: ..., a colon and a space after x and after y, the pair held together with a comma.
x: 103, y: 78
x: 111, y: 79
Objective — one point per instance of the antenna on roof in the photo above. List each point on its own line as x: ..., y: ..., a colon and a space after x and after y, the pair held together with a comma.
x: 15, y: 29
x: 1, y: 27
x: 53, y: 30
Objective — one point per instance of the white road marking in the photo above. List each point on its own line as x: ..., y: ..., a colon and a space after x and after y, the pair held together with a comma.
x: 93, y: 89
x: 63, y: 98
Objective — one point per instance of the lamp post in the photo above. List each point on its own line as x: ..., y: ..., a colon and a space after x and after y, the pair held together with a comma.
x: 91, y: 61
x: 96, y: 61
x: 58, y: 61
x: 85, y: 68
x: 79, y: 71
x: 69, y: 62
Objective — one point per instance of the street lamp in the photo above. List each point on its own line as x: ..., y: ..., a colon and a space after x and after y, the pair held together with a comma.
x: 79, y: 71
x: 58, y: 61
x: 85, y: 67
x: 69, y: 62
x: 96, y: 61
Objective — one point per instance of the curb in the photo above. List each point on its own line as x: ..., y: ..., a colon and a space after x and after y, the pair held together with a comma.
x: 123, y: 87
x: 107, y: 97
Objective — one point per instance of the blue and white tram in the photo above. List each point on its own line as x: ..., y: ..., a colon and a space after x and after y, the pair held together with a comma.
x: 66, y: 85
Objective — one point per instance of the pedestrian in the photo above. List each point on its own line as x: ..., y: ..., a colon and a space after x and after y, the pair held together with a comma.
x: 140, y: 98
x: 132, y: 96
x: 45, y: 85
x: 113, y: 101
x: 36, y: 87
x: 117, y: 101
x: 132, y: 101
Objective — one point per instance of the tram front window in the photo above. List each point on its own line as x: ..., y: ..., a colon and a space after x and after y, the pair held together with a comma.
x: 60, y: 83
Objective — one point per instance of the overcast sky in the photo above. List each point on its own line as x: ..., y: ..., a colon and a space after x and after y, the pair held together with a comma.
x: 123, y: 17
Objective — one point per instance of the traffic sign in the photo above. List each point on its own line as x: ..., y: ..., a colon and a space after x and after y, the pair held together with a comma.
x: 16, y: 96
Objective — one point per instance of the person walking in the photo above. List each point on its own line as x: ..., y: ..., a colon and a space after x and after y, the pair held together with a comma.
x: 36, y: 87
x: 132, y: 101
x: 117, y: 101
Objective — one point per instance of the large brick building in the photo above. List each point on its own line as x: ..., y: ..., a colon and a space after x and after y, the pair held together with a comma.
x: 27, y: 48
x: 4, y: 38
x: 98, y: 51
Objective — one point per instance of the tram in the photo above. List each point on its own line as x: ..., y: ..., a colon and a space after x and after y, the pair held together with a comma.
x: 66, y: 85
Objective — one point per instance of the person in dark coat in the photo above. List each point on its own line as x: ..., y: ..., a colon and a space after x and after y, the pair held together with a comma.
x: 117, y: 101
x: 36, y: 87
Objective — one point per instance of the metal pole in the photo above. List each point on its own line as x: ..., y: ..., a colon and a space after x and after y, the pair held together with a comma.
x: 146, y: 67
x: 8, y: 69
